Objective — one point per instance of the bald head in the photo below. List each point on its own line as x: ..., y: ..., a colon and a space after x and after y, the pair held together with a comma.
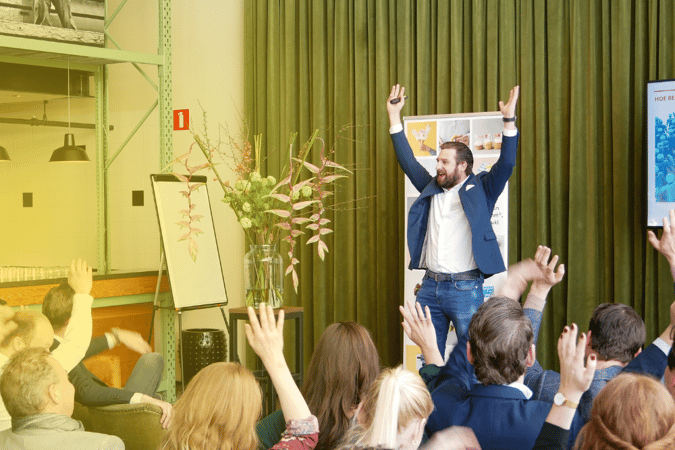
x: 33, y: 330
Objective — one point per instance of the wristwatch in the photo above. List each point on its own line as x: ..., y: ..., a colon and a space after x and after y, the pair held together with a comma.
x: 509, y: 119
x: 560, y: 400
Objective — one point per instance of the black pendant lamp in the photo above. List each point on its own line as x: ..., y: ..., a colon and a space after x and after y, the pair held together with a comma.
x: 69, y: 151
x: 4, y: 156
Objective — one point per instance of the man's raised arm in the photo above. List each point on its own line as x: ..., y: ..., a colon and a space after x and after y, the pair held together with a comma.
x: 417, y: 174
x: 78, y: 331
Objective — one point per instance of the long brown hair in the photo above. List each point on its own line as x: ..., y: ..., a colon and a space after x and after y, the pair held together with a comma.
x: 631, y: 412
x: 218, y: 410
x: 344, y: 364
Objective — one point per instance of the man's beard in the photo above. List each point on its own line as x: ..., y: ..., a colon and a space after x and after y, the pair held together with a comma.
x: 450, y: 181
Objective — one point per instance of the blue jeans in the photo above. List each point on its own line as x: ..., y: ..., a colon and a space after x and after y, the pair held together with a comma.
x: 455, y: 301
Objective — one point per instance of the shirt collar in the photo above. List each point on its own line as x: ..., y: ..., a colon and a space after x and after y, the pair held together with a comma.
x: 522, y: 388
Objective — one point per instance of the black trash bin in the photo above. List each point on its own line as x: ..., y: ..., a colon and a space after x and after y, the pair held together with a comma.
x: 201, y: 347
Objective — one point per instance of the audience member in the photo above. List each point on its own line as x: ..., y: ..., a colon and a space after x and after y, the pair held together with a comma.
x: 616, y: 335
x: 500, y: 346
x: 344, y: 364
x: 40, y: 399
x: 141, y: 385
x: 222, y: 402
x: 394, y: 413
x: 32, y: 329
x: 631, y: 412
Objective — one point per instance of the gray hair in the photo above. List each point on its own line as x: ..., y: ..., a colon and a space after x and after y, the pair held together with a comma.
x: 25, y: 380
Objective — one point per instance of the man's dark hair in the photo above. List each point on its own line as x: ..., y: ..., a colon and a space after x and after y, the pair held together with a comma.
x: 462, y: 153
x: 617, y: 332
x: 500, y: 335
x: 58, y: 305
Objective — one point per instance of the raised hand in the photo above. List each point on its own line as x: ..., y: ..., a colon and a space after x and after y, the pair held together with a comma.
x: 419, y: 328
x: 266, y: 336
x: 666, y: 245
x: 132, y: 340
x: 394, y: 110
x: 509, y: 109
x: 80, y: 276
x: 548, y: 275
x: 575, y: 377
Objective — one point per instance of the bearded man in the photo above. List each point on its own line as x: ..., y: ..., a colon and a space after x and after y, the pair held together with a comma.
x: 449, y: 230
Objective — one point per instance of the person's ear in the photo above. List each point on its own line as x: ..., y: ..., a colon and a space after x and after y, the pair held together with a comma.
x: 637, y: 353
x: 54, y: 394
x: 531, y: 356
x: 419, y: 430
x: 18, y: 343
x: 469, y: 356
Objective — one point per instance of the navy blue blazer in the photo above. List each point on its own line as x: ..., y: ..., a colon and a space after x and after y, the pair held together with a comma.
x: 500, y: 416
x: 478, y: 196
x: 545, y: 383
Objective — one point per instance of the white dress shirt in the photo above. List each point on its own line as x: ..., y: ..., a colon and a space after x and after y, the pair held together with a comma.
x: 447, y: 245
x: 77, y: 336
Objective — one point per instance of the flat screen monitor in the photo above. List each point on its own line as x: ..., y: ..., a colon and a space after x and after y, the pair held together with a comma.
x: 660, y: 150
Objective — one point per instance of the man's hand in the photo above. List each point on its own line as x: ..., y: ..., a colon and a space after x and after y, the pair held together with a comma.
x: 166, y: 408
x: 80, y: 276
x: 575, y: 379
x: 665, y: 246
x: 518, y: 275
x: 131, y: 340
x: 509, y: 109
x: 548, y: 275
x: 394, y: 111
x: 266, y: 337
x: 7, y: 325
x: 419, y: 328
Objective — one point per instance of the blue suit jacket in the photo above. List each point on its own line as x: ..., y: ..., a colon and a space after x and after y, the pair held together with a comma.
x: 545, y: 383
x: 500, y: 416
x: 478, y: 196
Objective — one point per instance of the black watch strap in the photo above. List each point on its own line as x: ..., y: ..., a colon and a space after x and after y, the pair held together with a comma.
x: 509, y: 119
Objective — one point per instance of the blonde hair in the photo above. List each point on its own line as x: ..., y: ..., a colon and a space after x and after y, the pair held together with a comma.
x: 218, y: 410
x: 395, y: 398
x: 631, y: 412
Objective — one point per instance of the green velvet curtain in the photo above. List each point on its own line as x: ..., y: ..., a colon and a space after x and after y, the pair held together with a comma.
x: 579, y: 183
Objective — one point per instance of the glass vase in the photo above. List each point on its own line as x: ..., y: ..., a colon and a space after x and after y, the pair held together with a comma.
x: 263, y: 272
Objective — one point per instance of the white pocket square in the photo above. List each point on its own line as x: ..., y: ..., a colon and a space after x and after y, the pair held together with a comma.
x: 470, y: 186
